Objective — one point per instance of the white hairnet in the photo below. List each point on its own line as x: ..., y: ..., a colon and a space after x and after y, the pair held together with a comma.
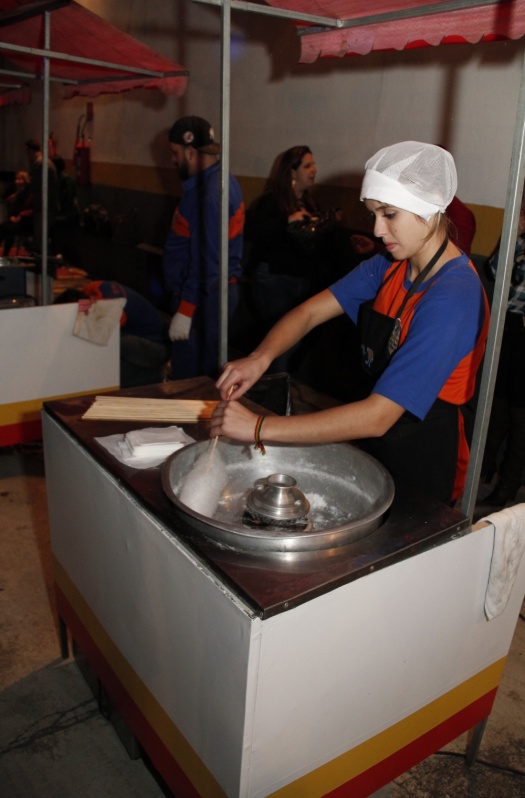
x: 411, y: 175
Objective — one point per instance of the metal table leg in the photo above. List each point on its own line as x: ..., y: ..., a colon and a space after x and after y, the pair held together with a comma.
x: 64, y: 644
x: 475, y: 737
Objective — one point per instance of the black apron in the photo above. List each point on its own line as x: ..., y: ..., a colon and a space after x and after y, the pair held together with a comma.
x: 379, y: 334
x: 420, y: 454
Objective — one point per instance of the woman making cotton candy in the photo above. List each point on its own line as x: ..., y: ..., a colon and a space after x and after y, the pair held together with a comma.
x: 423, y: 318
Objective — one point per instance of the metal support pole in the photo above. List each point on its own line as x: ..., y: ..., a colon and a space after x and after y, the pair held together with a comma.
x: 225, y: 170
x: 46, y: 299
x: 499, y: 304
x: 283, y: 13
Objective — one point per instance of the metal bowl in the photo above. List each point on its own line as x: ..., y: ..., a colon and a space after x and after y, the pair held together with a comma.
x: 348, y: 492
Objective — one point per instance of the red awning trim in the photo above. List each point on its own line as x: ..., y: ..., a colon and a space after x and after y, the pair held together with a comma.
x: 92, y: 89
x: 499, y: 20
x: 78, y: 33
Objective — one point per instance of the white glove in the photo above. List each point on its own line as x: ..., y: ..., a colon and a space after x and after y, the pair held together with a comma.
x: 180, y: 327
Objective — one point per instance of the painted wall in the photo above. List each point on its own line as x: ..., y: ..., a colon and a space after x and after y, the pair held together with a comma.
x: 463, y: 97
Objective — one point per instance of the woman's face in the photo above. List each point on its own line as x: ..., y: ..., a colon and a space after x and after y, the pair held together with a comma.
x: 404, y: 233
x: 304, y: 175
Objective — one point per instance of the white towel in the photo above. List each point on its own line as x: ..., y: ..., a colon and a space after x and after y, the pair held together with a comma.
x: 509, y: 544
x: 97, y: 319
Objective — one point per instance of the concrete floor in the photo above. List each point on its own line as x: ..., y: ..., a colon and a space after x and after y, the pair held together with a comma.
x: 54, y: 743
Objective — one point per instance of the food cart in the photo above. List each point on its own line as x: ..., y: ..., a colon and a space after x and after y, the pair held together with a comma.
x: 245, y: 675
x: 242, y: 674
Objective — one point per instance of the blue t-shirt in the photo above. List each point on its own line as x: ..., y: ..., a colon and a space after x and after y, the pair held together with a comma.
x: 446, y: 325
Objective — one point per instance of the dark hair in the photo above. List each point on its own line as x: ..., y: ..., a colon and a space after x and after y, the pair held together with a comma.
x: 280, y: 183
x: 34, y: 145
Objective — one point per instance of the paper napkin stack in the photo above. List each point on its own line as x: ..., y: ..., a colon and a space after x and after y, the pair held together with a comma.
x: 145, y: 448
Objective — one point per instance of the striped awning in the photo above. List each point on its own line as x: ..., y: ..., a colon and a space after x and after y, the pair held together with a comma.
x: 358, y: 27
x: 86, y: 53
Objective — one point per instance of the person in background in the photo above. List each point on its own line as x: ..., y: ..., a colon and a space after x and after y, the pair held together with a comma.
x: 423, y: 319
x: 507, y: 419
x: 36, y: 171
x: 19, y: 212
x: 286, y: 253
x: 144, y: 344
x: 191, y: 261
x: 64, y: 230
x: 296, y: 249
x: 66, y: 191
x: 290, y: 240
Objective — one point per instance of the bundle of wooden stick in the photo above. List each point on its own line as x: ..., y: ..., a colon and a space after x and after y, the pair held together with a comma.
x: 124, y: 408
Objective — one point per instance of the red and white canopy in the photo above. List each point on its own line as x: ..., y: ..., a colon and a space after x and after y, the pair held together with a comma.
x: 81, y: 46
x: 369, y: 25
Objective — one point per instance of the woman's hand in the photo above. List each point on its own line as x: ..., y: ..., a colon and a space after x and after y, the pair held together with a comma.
x: 238, y: 376
x: 298, y: 216
x: 234, y: 421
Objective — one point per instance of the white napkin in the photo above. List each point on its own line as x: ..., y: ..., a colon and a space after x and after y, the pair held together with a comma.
x: 509, y: 544
x: 145, y: 448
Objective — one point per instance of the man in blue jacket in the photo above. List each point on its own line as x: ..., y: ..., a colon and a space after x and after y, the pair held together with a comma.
x: 191, y: 262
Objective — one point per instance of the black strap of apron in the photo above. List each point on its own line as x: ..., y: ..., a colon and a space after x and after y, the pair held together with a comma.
x: 421, y: 276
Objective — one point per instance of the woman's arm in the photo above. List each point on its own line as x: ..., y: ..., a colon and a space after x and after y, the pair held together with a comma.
x: 368, y: 418
x: 242, y: 374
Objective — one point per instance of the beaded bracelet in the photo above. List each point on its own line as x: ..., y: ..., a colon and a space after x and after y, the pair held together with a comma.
x: 259, y: 445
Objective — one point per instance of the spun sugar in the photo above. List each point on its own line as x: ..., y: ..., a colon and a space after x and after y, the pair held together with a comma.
x: 202, y: 487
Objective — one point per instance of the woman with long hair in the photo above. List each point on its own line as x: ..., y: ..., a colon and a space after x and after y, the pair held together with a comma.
x: 288, y: 246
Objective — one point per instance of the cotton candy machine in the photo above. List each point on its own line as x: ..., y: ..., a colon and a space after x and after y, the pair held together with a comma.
x: 292, y: 499
x: 277, y: 501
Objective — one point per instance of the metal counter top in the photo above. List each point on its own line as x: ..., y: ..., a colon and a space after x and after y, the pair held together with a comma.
x: 269, y: 584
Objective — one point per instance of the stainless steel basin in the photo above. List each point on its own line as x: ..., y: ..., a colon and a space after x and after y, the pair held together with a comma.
x: 348, y: 492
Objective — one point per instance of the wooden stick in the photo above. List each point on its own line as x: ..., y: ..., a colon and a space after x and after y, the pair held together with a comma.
x: 138, y: 409
x: 214, y: 444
